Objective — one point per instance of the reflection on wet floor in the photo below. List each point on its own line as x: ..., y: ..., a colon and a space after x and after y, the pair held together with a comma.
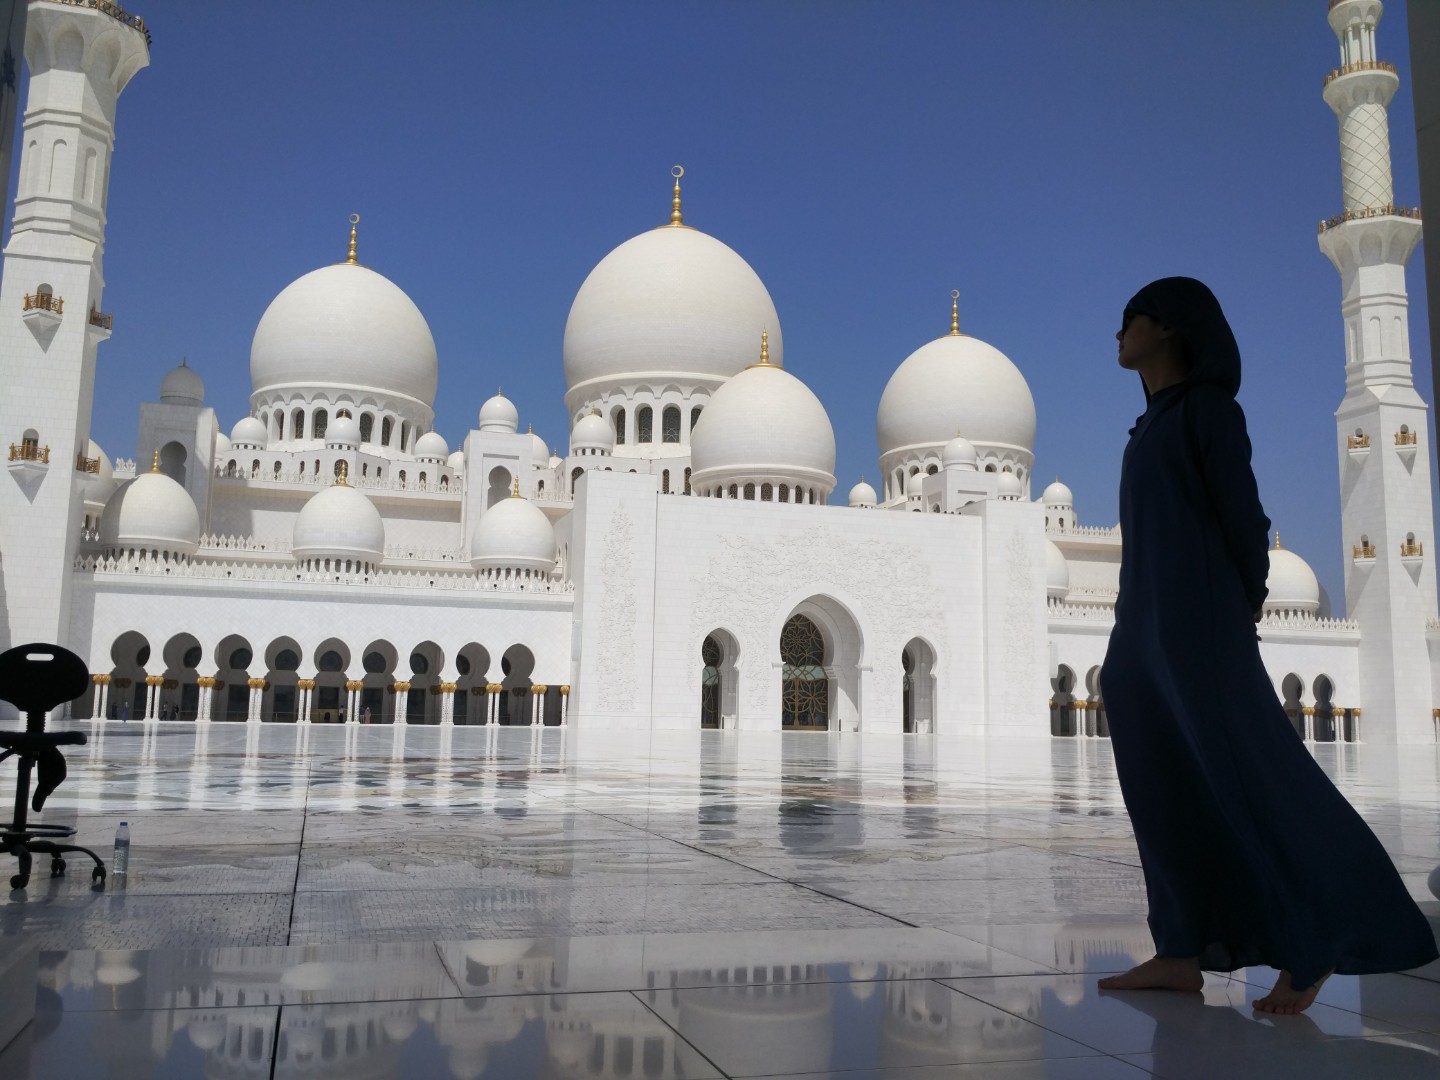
x: 433, y: 902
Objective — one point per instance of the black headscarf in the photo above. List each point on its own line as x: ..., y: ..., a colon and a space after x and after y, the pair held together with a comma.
x: 1191, y: 308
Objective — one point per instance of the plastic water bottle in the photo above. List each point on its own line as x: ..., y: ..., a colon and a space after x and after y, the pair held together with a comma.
x: 120, y: 862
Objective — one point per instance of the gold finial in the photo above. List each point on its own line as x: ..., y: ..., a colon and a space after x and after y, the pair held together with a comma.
x: 1277, y: 539
x: 342, y: 479
x: 675, y: 216
x: 529, y: 429
x: 350, y: 258
x: 516, y: 493
x: 183, y: 360
x: 594, y: 411
x: 765, y: 346
x: 954, y: 312
x: 155, y: 464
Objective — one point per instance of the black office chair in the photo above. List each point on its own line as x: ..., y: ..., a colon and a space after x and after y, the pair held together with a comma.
x: 36, y: 678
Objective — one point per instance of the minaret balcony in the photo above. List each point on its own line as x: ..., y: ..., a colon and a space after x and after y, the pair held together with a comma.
x: 1363, y: 65
x: 29, y: 459
x: 1406, y: 443
x: 1388, y: 210
x: 101, y: 323
x: 42, y: 310
x: 1411, y: 552
x: 1358, y: 446
x: 1364, y: 554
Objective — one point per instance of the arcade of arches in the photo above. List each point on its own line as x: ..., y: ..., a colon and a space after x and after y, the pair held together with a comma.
x: 379, y: 683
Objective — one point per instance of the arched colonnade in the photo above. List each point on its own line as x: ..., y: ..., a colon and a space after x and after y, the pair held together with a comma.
x: 333, y: 681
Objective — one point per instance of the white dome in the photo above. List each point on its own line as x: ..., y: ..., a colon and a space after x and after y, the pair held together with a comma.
x: 960, y: 452
x: 339, y: 521
x: 181, y: 386
x: 1291, y: 583
x: 513, y: 534
x: 1058, y: 495
x: 592, y: 432
x: 151, y: 512
x: 1009, y: 486
x: 345, y: 326
x: 222, y: 443
x: 456, y: 461
x: 539, y: 449
x: 1057, y: 573
x: 862, y: 494
x: 956, y: 383
x: 764, y: 423
x: 432, y: 445
x: 249, y: 431
x: 342, y: 431
x: 915, y: 485
x: 672, y: 300
x: 499, y: 414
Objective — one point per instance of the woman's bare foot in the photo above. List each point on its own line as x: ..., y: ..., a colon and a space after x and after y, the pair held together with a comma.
x: 1285, y: 1000
x: 1159, y: 973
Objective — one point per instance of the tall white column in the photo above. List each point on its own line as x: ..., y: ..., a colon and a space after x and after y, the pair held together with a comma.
x: 1381, y: 424
x: 80, y: 59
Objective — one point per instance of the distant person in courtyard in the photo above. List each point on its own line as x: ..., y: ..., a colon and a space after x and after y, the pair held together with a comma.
x: 365, y: 715
x: 1251, y: 856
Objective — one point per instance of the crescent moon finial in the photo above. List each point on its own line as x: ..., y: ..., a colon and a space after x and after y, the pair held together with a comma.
x: 676, y: 218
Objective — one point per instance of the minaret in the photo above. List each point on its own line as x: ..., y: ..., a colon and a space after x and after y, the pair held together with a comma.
x: 51, y: 319
x: 1381, y: 431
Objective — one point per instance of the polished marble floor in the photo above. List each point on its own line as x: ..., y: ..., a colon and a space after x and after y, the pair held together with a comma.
x: 371, y: 902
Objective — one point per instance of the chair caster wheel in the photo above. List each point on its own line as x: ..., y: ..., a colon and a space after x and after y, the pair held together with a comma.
x: 98, y: 874
x: 19, y: 881
x: 57, y: 867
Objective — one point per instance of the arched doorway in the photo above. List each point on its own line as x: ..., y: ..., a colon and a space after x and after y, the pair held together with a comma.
x: 718, y: 653
x: 282, y: 668
x: 422, y: 701
x: 805, y: 688
x: 1324, y: 709
x: 181, y: 699
x: 918, y: 693
x: 377, y: 692
x: 1096, y: 722
x: 129, y: 654
x: 1062, y: 702
x: 498, y: 488
x: 332, y: 662
x: 472, y: 664
x: 516, y: 665
x: 1292, y: 689
x: 233, y: 658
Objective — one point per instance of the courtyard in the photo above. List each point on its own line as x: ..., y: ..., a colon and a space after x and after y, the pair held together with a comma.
x: 311, y: 900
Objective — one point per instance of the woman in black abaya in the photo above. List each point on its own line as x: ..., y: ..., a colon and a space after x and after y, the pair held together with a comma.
x: 1251, y: 856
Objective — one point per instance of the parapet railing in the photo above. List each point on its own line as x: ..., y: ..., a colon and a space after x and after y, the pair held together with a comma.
x: 1359, y: 65
x: 28, y: 451
x: 43, y: 301
x: 1388, y: 210
x: 115, y: 11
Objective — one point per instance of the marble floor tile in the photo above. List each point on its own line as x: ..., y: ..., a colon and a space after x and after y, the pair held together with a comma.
x: 1299, y: 1053
x: 1085, y: 1068
x: 996, y: 901
x: 559, y: 1036
x: 780, y: 1029
x: 118, y: 920
x: 83, y: 980
x: 1079, y: 944
x: 1410, y: 1003
x: 488, y: 967
x: 566, y: 911
x: 1137, y: 1021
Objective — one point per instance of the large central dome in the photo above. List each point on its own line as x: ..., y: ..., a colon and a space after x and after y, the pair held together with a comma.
x: 672, y: 301
x: 345, y: 327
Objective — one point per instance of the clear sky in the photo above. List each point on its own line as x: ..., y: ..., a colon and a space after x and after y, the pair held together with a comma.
x: 1044, y: 157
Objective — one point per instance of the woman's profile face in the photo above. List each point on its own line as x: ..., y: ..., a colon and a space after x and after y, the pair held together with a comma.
x: 1142, y: 339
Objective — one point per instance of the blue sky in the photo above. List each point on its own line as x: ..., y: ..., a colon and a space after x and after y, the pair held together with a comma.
x: 1044, y: 157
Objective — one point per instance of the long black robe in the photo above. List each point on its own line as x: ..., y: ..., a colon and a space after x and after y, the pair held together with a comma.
x: 1251, y: 856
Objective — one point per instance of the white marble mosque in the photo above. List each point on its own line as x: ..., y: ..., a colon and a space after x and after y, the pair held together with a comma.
x: 680, y: 563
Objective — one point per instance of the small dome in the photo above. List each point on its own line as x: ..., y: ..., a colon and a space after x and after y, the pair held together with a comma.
x: 862, y: 494
x: 960, y: 453
x: 1009, y: 486
x: 432, y: 445
x: 1291, y: 583
x: 222, y: 443
x: 539, y: 449
x: 99, y: 484
x: 456, y: 461
x: 1058, y: 495
x: 342, y: 431
x: 339, y: 522
x: 181, y: 386
x: 555, y: 461
x: 914, y: 485
x: 764, y: 423
x: 671, y: 300
x: 250, y: 431
x: 514, y: 534
x: 1057, y: 573
x: 956, y: 382
x: 153, y: 513
x: 345, y: 326
x: 499, y: 414
x: 592, y: 432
